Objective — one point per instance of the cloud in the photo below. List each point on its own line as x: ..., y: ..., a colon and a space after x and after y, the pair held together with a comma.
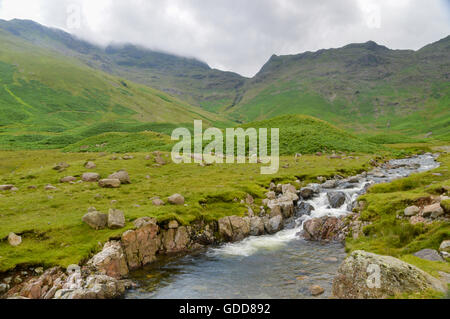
x: 241, y: 35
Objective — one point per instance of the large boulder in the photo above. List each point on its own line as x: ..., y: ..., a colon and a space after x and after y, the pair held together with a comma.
x: 90, y: 177
x: 96, y: 220
x: 141, y: 245
x: 111, y: 261
x: 109, y: 183
x: 122, y: 176
x: 336, y: 199
x: 116, y: 219
x: 365, y: 275
x: 274, y: 224
x: 234, y: 228
x: 324, y: 229
x: 176, y: 199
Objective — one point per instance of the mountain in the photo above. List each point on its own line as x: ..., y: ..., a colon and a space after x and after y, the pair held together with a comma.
x: 364, y: 87
x: 48, y: 99
x: 185, y: 78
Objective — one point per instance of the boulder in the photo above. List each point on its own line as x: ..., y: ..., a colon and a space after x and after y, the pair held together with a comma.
x: 158, y: 202
x: 90, y: 177
x: 122, y: 176
x: 110, y: 261
x: 93, y: 287
x: 429, y: 254
x: 14, y: 240
x: 109, y: 183
x: 288, y: 188
x: 234, y: 228
x: 6, y: 187
x: 316, y: 290
x: 445, y: 246
x: 256, y: 226
x: 303, y: 209
x: 336, y: 199
x: 96, y: 220
x: 50, y: 187
x: 176, y: 199
x: 411, y: 211
x: 141, y: 245
x: 175, y: 240
x: 67, y: 179
x: 365, y: 275
x: 324, y: 229
x: 306, y: 193
x: 274, y: 224
x: 173, y: 224
x: 433, y: 211
x: 90, y: 165
x: 61, y: 166
x: 140, y: 222
x: 271, y: 195
x: 116, y: 219
x: 329, y: 184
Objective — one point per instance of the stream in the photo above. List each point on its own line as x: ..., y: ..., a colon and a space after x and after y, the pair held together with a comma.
x: 279, y: 266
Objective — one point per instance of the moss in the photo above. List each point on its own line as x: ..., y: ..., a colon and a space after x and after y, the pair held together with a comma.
x: 445, y: 204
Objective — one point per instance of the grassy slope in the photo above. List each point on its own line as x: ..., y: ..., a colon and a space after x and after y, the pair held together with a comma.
x: 50, y: 222
x: 49, y: 100
x: 363, y: 87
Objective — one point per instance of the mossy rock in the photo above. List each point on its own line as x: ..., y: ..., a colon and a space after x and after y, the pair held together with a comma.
x: 445, y: 204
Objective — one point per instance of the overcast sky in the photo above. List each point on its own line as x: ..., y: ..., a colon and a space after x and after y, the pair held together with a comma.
x: 240, y: 35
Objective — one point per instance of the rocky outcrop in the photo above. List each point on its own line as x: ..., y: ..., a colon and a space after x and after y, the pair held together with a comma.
x: 234, y: 228
x: 111, y: 261
x: 141, y: 245
x: 365, y: 275
x: 324, y: 229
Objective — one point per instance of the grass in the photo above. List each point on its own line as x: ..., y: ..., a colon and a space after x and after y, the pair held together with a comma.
x: 50, y: 222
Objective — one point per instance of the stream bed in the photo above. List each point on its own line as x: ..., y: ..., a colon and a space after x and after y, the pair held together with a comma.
x: 273, y: 266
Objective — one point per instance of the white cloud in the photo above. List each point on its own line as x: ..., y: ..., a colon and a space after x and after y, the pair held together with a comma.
x: 241, y: 35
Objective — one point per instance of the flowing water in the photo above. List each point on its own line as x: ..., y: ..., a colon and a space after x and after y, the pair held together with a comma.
x: 273, y: 266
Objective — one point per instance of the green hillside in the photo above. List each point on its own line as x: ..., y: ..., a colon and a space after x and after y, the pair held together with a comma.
x: 363, y: 87
x: 49, y: 100
x: 305, y: 135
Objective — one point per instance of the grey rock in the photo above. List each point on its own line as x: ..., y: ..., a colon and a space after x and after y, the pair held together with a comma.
x: 429, y: 254
x: 116, y: 219
x: 122, y: 176
x: 176, y: 199
x: 109, y: 183
x: 90, y: 177
x: 96, y: 220
x: 411, y: 211
x: 14, y: 240
x: 336, y: 199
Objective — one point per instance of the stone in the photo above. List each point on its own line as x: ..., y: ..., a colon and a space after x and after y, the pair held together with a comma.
x: 274, y: 224
x: 61, y: 166
x: 336, y: 199
x: 306, y: 193
x: 158, y: 202
x: 96, y: 220
x: 3, y: 288
x: 417, y: 220
x: 90, y: 165
x: 14, y: 240
x: 90, y: 177
x: 433, y: 211
x: 358, y: 277
x: 329, y: 184
x: 256, y: 226
x: 225, y: 229
x: 272, y: 187
x: 175, y: 240
x: 67, y: 179
x: 116, y: 219
x: 109, y: 183
x: 50, y: 187
x: 176, y: 199
x: 288, y: 188
x: 141, y: 245
x: 411, y: 211
x: 240, y: 226
x: 303, y: 208
x: 6, y: 187
x: 127, y: 157
x: 445, y: 246
x: 140, y: 222
x: 271, y: 195
x: 429, y: 254
x: 323, y: 229
x: 111, y: 261
x: 122, y: 176
x: 316, y: 290
x: 173, y: 224
x: 160, y: 161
